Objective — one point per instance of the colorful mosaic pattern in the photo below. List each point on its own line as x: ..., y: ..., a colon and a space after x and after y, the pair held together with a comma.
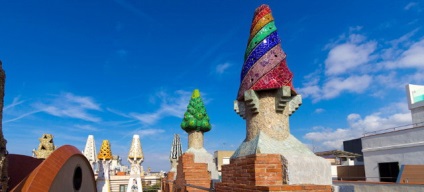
x: 105, y: 152
x: 265, y: 62
x: 136, y: 151
x: 196, y: 118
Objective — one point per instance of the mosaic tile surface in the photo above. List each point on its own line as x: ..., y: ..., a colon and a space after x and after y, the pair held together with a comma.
x: 260, y: 50
x: 260, y: 12
x: 260, y: 24
x: 265, y: 64
x: 276, y: 78
x: 105, y: 152
x: 260, y: 36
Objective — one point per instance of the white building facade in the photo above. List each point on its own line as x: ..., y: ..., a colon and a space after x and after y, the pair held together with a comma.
x: 385, y: 153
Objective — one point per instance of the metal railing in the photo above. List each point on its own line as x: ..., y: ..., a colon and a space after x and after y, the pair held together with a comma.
x: 401, y: 127
x: 364, y: 178
x: 394, y: 179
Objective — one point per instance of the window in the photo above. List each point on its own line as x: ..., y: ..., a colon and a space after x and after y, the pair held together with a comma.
x: 123, y: 188
x: 226, y: 161
x: 388, y: 171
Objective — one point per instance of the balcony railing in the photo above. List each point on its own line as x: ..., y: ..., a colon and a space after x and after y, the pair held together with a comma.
x: 402, y: 127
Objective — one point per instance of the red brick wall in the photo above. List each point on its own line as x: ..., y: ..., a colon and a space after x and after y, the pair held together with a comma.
x: 168, y: 182
x: 259, y: 172
x: 254, y: 170
x: 189, y: 172
x: 245, y: 188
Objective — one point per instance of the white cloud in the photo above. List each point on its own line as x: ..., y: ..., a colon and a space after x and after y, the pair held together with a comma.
x: 354, y: 84
x: 328, y: 138
x: 174, y: 106
x: 70, y: 105
x: 221, y: 68
x: 348, y: 59
x: 16, y: 101
x: 377, y: 121
x: 84, y: 102
x: 149, y: 132
x: 355, y: 65
x: 148, y: 118
x: 12, y: 113
x: 312, y: 91
x: 347, y: 56
x: 391, y: 54
x: 310, y: 85
x: 355, y: 29
x: 335, y: 86
x: 413, y: 57
x: 410, y: 5
x: 87, y: 127
x: 20, y: 116
x: 319, y: 110
x: 118, y: 112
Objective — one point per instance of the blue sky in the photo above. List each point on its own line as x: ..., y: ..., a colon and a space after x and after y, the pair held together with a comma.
x: 122, y: 67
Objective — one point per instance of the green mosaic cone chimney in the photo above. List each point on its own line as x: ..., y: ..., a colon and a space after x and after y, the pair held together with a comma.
x: 196, y: 118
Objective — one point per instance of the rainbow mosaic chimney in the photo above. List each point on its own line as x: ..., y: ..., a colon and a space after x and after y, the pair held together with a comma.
x: 266, y: 98
x: 264, y: 60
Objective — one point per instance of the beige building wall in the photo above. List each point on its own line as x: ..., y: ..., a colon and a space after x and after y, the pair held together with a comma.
x: 222, y: 158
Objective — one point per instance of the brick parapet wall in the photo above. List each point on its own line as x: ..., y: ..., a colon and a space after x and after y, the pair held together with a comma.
x: 259, y: 172
x: 168, y: 182
x: 189, y: 172
x: 221, y: 187
x: 254, y: 170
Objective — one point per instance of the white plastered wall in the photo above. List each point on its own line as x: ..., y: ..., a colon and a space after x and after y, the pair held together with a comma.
x: 404, y: 146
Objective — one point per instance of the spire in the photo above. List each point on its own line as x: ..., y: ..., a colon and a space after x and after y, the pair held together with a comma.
x: 105, y: 152
x: 264, y: 61
x: 136, y: 152
x: 90, y: 149
x: 196, y: 118
x: 105, y: 158
x: 176, y: 150
x: 135, y: 157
